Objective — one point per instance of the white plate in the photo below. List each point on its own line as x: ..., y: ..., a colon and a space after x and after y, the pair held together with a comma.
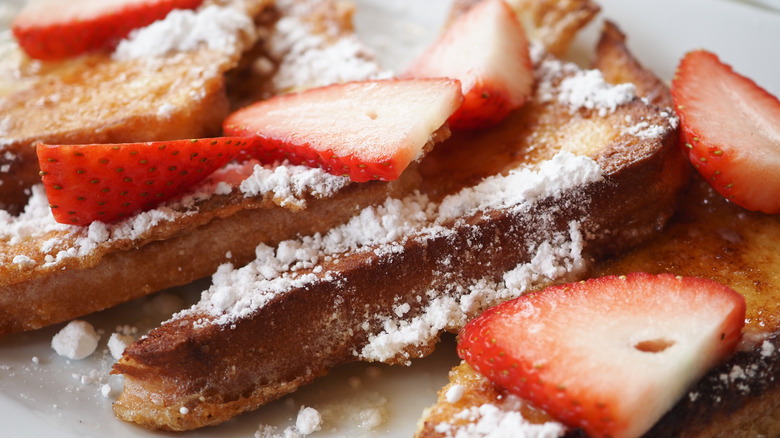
x: 42, y: 394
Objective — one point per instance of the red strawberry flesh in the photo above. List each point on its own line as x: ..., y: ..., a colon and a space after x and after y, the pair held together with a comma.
x: 487, y: 50
x: 609, y: 355
x: 52, y: 30
x: 731, y: 130
x: 106, y: 182
x: 365, y: 130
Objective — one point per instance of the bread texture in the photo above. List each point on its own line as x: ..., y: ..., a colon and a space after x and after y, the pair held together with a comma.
x: 102, y: 98
x: 51, y: 273
x: 264, y: 330
x: 707, y: 237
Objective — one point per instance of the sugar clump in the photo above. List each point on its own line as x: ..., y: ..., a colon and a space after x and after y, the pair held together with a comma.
x: 117, y: 344
x: 76, y: 340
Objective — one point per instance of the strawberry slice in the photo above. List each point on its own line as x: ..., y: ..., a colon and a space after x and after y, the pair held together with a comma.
x: 57, y: 29
x: 608, y: 355
x: 487, y: 50
x: 731, y: 130
x: 105, y: 182
x: 365, y: 130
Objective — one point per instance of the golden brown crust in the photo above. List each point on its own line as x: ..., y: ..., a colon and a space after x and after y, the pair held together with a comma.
x: 125, y: 268
x: 619, y: 66
x: 217, y: 372
x: 228, y: 226
x: 708, y: 237
x: 476, y: 391
x: 95, y: 99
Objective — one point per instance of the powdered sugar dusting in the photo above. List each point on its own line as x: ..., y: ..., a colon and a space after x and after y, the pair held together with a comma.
x: 490, y: 421
x: 645, y: 130
x: 236, y: 293
x: 215, y: 27
x: 580, y: 89
x: 289, y: 184
x: 588, y: 89
x: 767, y: 349
x: 52, y: 243
x: 310, y: 58
x: 556, y: 258
x: 521, y: 185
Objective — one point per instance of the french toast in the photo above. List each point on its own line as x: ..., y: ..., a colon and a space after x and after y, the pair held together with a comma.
x: 387, y: 284
x: 57, y: 272
x: 106, y: 98
x: 703, y: 404
x: 707, y: 237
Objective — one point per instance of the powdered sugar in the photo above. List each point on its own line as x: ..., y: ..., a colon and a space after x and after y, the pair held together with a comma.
x: 76, y: 340
x: 454, y: 393
x: 554, y: 259
x: 236, y: 293
x: 522, y: 185
x: 645, y: 130
x: 490, y: 421
x: 310, y: 58
x: 117, y: 344
x: 307, y: 422
x: 182, y: 30
x: 767, y: 349
x: 289, y: 184
x: 48, y: 243
x: 580, y: 89
x: 588, y: 89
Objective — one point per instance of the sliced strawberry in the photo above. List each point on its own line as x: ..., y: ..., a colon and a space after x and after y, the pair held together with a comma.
x: 487, y: 50
x: 105, y: 182
x: 731, y: 130
x: 608, y: 355
x: 57, y: 29
x: 365, y: 130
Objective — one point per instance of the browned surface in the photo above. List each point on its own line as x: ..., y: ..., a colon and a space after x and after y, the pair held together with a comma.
x: 620, y: 66
x: 177, y: 253
x: 477, y: 391
x: 708, y: 237
x: 712, y: 238
x: 271, y: 353
x: 94, y: 99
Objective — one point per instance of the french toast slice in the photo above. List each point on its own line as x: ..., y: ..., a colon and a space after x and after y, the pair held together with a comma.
x: 707, y: 237
x: 51, y: 273
x: 106, y: 98
x: 534, y: 200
